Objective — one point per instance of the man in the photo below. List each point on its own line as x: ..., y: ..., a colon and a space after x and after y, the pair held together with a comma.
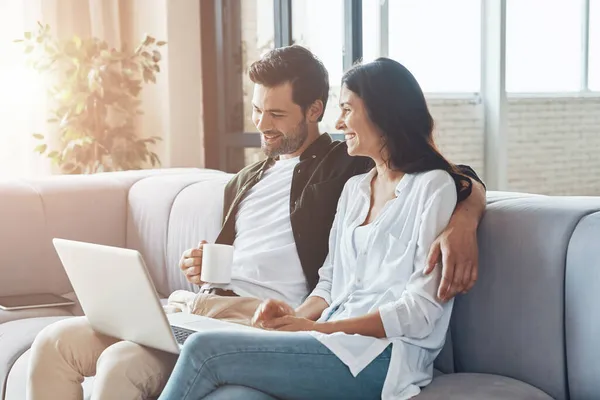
x: 278, y: 214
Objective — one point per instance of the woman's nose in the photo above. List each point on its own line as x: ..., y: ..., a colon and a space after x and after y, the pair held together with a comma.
x: 340, y: 125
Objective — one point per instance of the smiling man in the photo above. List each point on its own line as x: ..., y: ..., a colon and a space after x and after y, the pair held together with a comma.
x: 278, y: 214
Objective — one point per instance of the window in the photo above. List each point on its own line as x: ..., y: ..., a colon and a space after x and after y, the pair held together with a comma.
x: 437, y: 40
x: 594, y: 51
x: 257, y: 38
x: 543, y: 45
x: 323, y: 33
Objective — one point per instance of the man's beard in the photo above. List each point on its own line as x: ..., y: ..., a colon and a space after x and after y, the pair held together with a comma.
x: 288, y: 143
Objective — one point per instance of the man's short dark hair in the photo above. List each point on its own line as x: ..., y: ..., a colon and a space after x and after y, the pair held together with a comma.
x: 300, y: 67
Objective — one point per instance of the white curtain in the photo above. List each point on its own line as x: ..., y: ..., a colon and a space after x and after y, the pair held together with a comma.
x: 23, y: 100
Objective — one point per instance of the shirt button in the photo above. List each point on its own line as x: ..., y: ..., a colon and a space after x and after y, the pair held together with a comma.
x: 314, y: 156
x: 298, y: 171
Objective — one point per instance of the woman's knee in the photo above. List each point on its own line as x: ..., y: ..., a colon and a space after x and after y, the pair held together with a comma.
x: 203, y: 345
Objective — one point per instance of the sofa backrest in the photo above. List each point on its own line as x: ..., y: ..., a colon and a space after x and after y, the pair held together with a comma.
x: 170, y: 214
x: 512, y: 322
x: 87, y: 208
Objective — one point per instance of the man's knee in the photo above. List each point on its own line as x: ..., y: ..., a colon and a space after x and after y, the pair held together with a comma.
x: 119, y: 358
x: 128, y: 359
x: 63, y: 336
x: 130, y: 365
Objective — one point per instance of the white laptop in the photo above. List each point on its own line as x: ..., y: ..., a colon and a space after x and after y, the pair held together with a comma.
x: 119, y: 299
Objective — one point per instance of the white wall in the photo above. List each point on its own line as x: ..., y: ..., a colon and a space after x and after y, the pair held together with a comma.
x: 172, y: 106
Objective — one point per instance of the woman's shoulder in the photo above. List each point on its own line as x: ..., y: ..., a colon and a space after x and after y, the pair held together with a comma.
x: 432, y: 182
x: 435, y: 177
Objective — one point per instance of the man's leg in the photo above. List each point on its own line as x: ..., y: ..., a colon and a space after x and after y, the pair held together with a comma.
x: 233, y: 309
x: 128, y: 371
x: 61, y: 356
x: 280, y: 364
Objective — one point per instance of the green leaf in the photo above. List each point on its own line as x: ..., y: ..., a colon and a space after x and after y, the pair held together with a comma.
x: 28, y: 49
x: 147, y: 75
x: 41, y: 148
x: 38, y: 136
x: 77, y: 41
x: 80, y: 107
x: 148, y: 40
x: 52, y: 120
x: 146, y: 54
x: 28, y: 35
x: 156, y: 67
x: 18, y: 41
x: 53, y: 154
x: 161, y: 43
x: 156, y: 56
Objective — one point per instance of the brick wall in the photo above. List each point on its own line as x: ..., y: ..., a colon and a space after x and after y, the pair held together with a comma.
x: 554, y: 145
x: 459, y: 130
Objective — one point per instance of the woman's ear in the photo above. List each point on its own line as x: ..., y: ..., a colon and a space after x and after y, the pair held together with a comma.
x: 315, y: 111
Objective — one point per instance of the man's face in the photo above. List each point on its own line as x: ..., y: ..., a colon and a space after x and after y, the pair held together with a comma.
x: 280, y: 121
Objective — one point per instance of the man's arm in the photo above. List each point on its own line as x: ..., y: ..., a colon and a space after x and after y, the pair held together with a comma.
x: 456, y: 247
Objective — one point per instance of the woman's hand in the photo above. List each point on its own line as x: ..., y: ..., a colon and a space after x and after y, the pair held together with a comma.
x: 269, y: 310
x: 290, y: 323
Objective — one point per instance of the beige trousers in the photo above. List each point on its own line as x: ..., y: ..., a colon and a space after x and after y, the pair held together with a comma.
x: 69, y: 350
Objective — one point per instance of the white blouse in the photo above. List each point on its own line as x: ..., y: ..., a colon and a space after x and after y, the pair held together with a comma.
x: 385, y: 274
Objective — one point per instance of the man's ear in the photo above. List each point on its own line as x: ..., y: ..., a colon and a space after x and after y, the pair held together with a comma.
x: 315, y: 111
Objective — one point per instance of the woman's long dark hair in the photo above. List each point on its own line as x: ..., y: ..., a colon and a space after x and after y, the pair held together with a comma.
x: 396, y: 104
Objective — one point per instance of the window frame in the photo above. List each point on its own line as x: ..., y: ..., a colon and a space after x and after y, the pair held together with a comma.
x: 224, y: 135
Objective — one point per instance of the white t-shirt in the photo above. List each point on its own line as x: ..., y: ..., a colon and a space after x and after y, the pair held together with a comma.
x: 265, y: 260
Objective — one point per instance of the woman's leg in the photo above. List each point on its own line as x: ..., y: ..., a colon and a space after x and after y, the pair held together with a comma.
x: 232, y: 392
x: 283, y: 365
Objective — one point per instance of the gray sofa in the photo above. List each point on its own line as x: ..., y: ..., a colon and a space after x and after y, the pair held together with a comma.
x: 528, y: 330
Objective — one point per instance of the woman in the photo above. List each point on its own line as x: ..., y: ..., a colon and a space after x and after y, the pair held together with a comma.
x: 373, y: 325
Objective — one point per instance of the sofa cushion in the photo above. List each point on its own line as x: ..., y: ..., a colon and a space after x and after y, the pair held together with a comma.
x: 16, y: 338
x: 463, y: 386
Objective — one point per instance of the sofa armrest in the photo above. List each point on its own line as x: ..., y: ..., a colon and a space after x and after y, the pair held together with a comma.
x: 582, y: 319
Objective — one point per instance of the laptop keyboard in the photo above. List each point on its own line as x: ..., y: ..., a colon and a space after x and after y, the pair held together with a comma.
x: 181, y: 334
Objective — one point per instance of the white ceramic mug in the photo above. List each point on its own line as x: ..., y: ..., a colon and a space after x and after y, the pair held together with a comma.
x: 216, y: 263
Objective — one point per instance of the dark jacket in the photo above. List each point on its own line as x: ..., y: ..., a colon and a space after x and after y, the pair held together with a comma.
x: 317, y: 184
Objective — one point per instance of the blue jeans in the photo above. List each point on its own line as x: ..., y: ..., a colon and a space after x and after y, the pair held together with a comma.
x: 261, y: 366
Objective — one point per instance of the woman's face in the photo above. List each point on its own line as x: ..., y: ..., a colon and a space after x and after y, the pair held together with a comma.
x: 363, y: 137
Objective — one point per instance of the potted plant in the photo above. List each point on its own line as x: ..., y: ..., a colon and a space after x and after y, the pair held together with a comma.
x: 95, y: 93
